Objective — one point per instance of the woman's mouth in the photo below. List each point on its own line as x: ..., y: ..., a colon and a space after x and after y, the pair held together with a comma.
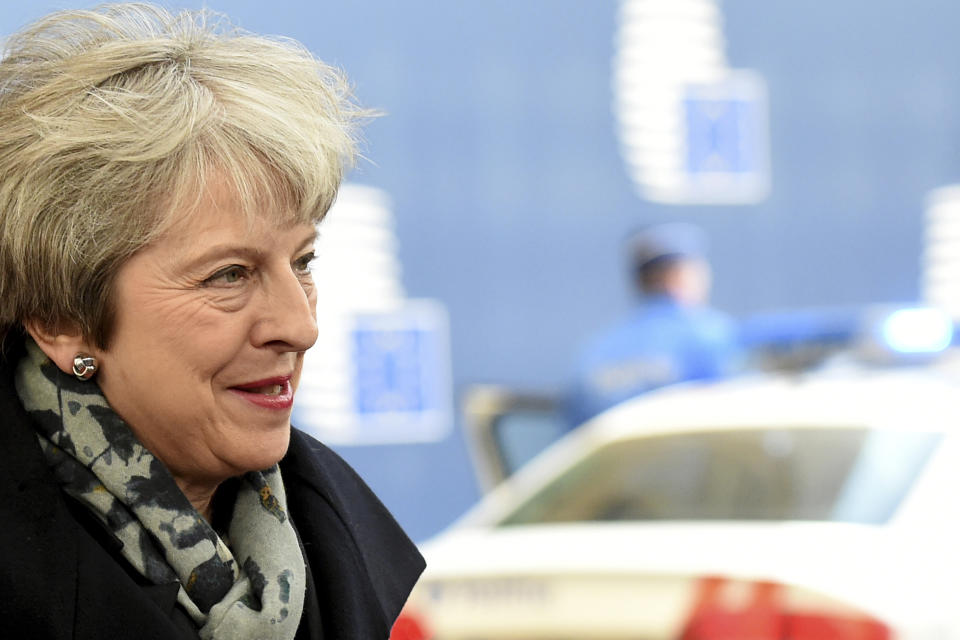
x: 271, y: 393
x: 268, y: 389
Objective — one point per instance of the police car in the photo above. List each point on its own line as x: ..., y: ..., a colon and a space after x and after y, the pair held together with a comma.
x: 796, y: 505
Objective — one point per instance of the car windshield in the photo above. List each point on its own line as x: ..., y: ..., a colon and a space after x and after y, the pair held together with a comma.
x: 832, y: 474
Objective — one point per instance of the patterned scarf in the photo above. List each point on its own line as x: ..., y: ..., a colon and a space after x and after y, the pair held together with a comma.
x: 253, y: 589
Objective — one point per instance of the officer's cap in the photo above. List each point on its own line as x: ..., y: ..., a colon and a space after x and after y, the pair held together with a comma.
x: 668, y: 241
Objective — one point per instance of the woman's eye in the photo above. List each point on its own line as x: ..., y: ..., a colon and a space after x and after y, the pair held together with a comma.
x: 302, y: 264
x: 230, y: 275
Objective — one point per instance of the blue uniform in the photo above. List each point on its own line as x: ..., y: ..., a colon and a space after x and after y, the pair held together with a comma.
x: 660, y: 343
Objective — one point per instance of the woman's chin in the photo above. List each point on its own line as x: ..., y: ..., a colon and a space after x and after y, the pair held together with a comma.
x: 259, y: 454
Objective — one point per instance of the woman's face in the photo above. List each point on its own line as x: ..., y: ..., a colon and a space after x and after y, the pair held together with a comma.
x: 211, y: 324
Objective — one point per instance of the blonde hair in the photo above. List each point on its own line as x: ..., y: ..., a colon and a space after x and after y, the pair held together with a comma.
x: 112, y: 119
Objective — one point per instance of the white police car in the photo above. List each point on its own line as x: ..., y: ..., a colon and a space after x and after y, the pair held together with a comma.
x: 813, y: 505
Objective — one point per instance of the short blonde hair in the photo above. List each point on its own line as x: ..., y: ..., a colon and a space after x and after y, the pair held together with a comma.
x: 111, y: 119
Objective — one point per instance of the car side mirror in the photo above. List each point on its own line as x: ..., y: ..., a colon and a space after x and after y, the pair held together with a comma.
x: 506, y: 428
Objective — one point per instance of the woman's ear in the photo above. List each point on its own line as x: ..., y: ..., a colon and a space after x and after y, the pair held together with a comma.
x: 60, y: 347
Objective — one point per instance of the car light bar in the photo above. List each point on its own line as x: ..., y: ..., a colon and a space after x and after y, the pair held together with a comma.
x: 887, y: 334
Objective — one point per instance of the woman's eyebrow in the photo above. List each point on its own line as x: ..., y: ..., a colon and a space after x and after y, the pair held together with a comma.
x: 309, y: 239
x: 253, y: 254
x: 220, y: 251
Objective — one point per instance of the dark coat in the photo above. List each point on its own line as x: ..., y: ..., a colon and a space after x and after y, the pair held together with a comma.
x: 62, y: 575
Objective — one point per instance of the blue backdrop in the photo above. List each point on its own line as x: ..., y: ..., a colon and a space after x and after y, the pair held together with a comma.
x: 498, y: 149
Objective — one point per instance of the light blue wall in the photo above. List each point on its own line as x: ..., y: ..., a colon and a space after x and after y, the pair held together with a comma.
x: 499, y: 153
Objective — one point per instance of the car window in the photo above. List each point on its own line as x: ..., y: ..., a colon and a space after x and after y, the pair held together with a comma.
x: 840, y: 474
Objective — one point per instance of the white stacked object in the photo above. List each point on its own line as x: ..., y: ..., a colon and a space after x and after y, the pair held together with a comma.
x: 940, y: 262
x: 670, y: 70
x: 662, y: 46
x: 356, y: 271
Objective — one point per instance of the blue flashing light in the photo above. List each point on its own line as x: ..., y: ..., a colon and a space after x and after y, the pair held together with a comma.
x: 918, y: 330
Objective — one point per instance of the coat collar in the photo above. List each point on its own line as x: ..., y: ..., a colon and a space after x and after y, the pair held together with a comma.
x: 358, y: 552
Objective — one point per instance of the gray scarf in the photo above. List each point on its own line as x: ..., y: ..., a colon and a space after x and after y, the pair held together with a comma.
x: 253, y: 589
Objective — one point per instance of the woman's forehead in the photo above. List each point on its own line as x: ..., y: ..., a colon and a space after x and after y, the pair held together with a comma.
x: 214, y: 200
x: 218, y: 221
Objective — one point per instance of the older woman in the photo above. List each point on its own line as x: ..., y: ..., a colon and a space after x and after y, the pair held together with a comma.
x: 160, y: 180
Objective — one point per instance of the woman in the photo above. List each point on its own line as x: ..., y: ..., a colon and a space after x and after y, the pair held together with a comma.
x: 160, y: 180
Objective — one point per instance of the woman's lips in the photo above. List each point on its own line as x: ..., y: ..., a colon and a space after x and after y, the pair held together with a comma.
x: 270, y: 393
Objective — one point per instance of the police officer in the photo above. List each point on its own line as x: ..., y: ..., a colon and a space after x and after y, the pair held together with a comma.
x: 670, y: 337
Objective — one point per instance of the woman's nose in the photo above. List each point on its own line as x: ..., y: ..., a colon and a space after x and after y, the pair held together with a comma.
x: 288, y: 314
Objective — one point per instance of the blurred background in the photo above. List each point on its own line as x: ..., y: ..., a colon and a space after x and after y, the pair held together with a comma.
x: 522, y: 140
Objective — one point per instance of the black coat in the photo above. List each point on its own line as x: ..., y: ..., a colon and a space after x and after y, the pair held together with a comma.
x: 62, y: 575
